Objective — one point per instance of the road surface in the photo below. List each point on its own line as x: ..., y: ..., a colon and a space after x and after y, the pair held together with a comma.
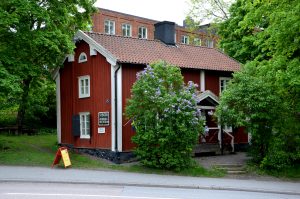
x: 21, y: 190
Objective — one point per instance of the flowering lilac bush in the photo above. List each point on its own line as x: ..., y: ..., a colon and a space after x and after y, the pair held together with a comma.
x: 165, y: 116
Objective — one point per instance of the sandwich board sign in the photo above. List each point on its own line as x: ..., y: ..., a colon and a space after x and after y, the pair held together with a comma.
x: 62, y: 153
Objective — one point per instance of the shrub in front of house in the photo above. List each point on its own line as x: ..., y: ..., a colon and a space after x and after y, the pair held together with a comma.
x: 165, y: 117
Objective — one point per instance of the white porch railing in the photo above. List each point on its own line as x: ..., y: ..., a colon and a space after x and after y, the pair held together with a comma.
x: 229, y: 134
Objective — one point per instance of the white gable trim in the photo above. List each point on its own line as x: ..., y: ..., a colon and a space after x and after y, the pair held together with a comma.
x: 207, y: 94
x: 95, y: 46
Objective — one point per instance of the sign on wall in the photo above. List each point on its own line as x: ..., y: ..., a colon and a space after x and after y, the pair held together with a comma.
x: 103, y: 118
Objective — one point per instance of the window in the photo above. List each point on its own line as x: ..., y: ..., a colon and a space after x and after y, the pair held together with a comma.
x: 184, y: 39
x: 209, y: 43
x: 109, y: 27
x: 84, y: 125
x: 197, y: 41
x: 82, y: 58
x: 84, y: 86
x: 142, y: 32
x: 126, y: 30
x: 224, y: 83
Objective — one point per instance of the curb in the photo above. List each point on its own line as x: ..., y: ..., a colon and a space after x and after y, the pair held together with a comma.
x: 154, y: 185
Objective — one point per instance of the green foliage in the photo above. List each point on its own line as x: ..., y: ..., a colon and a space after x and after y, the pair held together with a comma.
x: 41, y: 109
x: 34, y: 38
x: 264, y: 95
x: 165, y: 117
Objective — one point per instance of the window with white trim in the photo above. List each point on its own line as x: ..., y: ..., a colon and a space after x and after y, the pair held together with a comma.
x: 126, y: 30
x: 209, y: 43
x: 142, y: 32
x: 82, y: 57
x: 109, y: 27
x: 85, y: 125
x: 84, y: 86
x: 197, y: 41
x: 184, y: 39
x: 224, y: 83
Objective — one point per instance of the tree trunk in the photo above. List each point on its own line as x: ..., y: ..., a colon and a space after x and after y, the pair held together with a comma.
x: 22, y: 105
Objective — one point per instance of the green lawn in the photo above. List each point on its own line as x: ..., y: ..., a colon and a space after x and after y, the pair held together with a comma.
x: 40, y: 150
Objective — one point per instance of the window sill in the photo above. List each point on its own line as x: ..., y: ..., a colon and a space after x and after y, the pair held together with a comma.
x: 85, y: 137
x: 80, y: 97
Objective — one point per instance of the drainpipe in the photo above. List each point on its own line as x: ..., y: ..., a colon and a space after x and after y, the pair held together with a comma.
x: 116, y: 109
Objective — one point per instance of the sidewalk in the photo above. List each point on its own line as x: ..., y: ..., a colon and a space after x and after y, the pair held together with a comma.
x: 78, y: 176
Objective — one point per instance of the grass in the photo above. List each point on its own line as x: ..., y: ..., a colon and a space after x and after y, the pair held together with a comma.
x: 40, y: 150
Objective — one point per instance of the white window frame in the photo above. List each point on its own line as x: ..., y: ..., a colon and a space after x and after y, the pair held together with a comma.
x: 223, y: 83
x: 185, y: 39
x: 82, y: 57
x: 85, y: 125
x: 110, y: 30
x: 197, y: 41
x: 143, y: 32
x: 86, y: 92
x: 210, y: 43
x: 128, y: 30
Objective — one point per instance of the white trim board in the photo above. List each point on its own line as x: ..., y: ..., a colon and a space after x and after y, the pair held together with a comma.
x: 207, y: 94
x: 58, y: 107
x: 109, y: 56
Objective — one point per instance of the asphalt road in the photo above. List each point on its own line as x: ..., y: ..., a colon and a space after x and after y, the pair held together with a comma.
x: 17, y: 190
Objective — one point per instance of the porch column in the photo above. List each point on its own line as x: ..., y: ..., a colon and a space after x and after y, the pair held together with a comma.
x: 202, y: 80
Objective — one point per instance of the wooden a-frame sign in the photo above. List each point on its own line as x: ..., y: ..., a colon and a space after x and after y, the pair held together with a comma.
x: 62, y: 153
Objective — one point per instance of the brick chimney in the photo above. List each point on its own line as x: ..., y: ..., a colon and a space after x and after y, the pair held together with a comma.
x: 165, y: 32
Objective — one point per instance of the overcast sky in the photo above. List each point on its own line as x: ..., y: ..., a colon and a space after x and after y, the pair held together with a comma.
x: 169, y: 10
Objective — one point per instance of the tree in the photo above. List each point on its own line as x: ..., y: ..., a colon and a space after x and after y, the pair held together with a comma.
x: 165, y: 117
x: 264, y: 95
x: 212, y: 10
x: 35, y: 35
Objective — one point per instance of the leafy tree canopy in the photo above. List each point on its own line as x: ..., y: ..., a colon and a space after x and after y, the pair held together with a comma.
x: 35, y: 35
x: 265, y: 95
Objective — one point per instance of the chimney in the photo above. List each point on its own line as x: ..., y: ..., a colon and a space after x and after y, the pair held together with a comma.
x: 165, y: 32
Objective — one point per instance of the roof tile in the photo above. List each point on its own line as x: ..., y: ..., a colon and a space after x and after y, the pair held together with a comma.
x: 141, y: 51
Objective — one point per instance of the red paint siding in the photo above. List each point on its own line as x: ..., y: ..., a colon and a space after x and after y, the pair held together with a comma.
x: 128, y: 78
x: 66, y: 103
x: 99, y: 71
x: 212, y: 80
x: 191, y: 75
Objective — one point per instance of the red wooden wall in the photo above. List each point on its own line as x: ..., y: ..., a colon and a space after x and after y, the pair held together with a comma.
x: 99, y: 71
x: 129, y: 72
x: 100, y: 100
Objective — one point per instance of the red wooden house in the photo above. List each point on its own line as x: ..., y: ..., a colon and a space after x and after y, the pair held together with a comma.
x: 95, y: 82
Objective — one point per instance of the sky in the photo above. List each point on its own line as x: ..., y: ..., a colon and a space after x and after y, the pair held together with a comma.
x: 160, y: 10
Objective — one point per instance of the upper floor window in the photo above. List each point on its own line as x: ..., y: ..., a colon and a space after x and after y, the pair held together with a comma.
x: 84, y: 86
x: 142, y: 32
x: 109, y: 27
x: 209, y: 43
x: 197, y: 41
x: 82, y: 57
x: 126, y: 30
x: 184, y: 39
x: 224, y: 83
x: 84, y: 125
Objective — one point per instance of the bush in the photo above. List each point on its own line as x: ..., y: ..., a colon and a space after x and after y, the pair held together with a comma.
x: 165, y: 116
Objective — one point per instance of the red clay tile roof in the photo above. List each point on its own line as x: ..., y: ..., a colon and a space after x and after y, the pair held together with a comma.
x: 141, y: 51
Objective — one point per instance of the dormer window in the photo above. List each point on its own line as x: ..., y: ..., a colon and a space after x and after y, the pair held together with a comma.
x: 184, y: 39
x: 142, y: 32
x: 82, y: 57
x: 109, y: 27
x: 126, y: 30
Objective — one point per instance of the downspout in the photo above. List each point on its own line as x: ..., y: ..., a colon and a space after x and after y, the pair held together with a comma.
x: 116, y: 108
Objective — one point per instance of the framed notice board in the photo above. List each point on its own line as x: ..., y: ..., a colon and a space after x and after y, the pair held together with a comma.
x: 103, y: 118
